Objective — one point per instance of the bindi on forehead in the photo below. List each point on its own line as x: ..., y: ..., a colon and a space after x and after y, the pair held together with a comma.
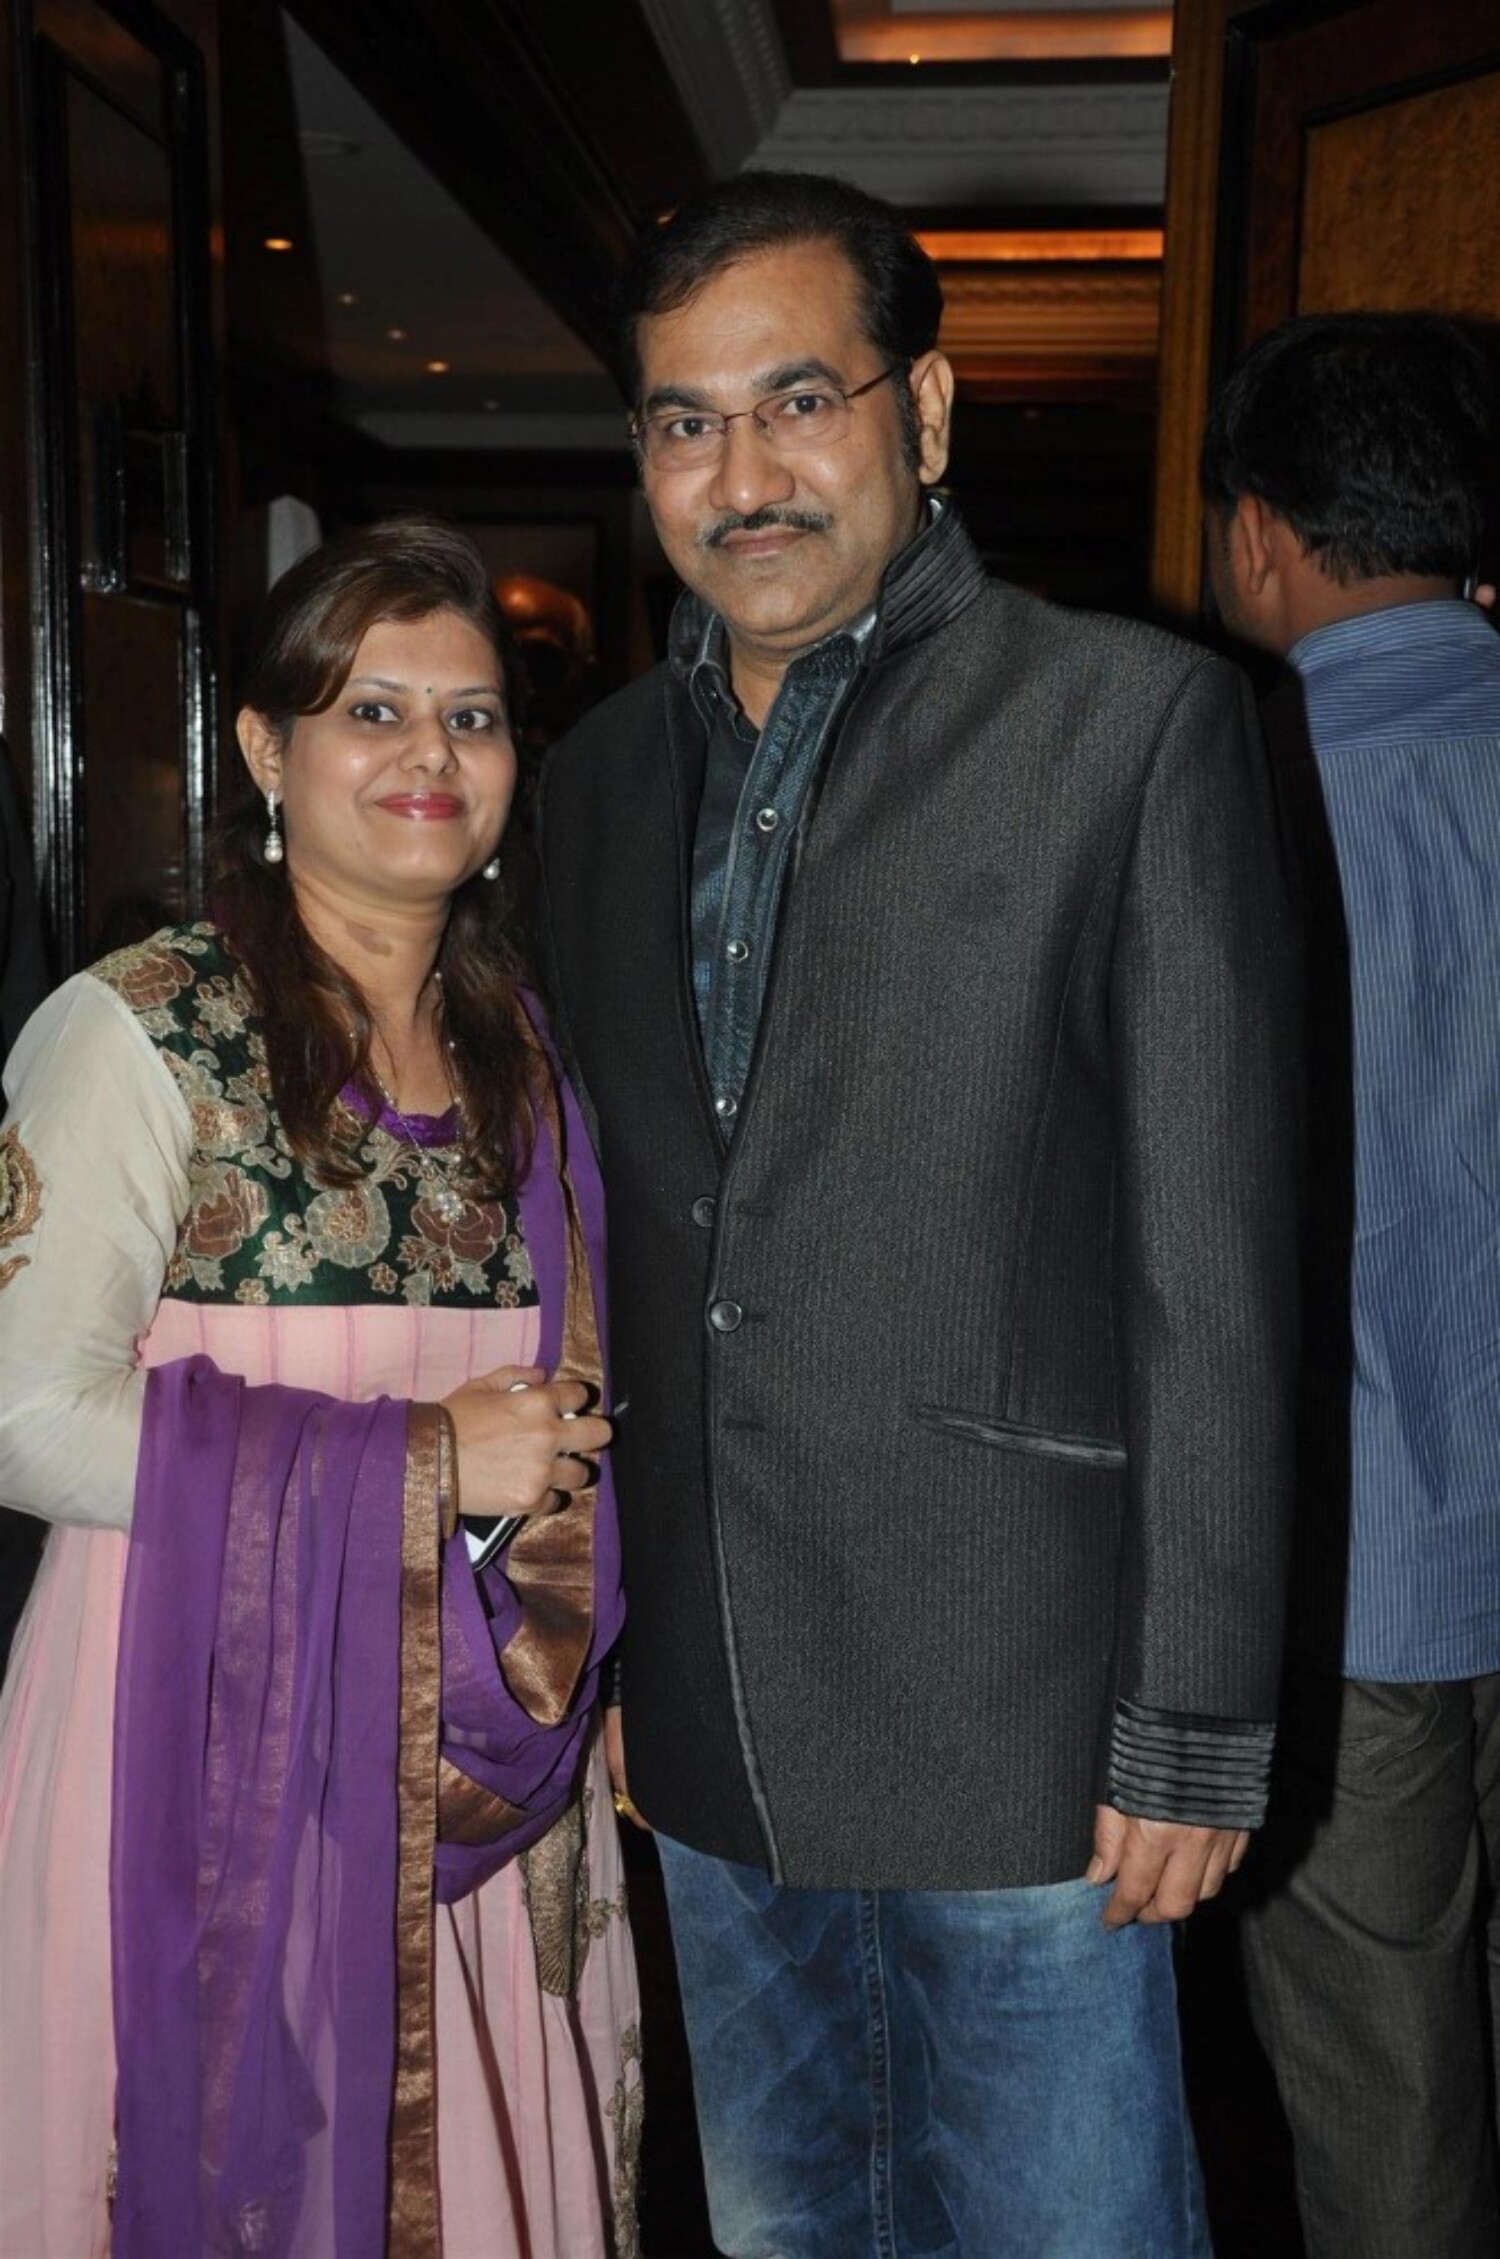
x: 489, y: 689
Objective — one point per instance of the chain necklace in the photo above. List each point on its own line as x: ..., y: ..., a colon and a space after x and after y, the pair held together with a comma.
x: 434, y: 1174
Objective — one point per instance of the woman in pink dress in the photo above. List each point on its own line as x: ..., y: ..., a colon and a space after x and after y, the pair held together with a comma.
x: 312, y: 1925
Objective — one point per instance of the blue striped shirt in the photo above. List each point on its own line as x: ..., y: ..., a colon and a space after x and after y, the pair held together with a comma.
x: 1403, y: 711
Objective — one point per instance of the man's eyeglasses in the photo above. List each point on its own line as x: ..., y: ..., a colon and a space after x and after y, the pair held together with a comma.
x: 804, y: 416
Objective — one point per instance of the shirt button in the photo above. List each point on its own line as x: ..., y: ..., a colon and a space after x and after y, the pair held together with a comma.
x: 766, y: 819
x: 724, y: 1317
x: 726, y: 1108
x: 737, y: 952
x: 704, y: 1210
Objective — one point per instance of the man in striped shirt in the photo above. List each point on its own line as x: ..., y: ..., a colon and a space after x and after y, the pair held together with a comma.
x: 1343, y: 469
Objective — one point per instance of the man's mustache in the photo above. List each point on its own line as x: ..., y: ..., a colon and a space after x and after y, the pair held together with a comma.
x: 763, y: 521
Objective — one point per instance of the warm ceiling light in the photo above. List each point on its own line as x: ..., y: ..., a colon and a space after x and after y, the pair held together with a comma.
x: 280, y: 243
x: 437, y: 368
x: 396, y: 336
x: 996, y: 31
x: 964, y: 247
x: 347, y: 298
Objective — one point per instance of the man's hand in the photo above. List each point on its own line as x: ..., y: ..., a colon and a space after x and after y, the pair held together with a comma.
x: 614, y: 1758
x: 1160, y: 1868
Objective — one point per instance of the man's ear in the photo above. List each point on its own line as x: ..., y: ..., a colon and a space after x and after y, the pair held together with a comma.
x: 260, y: 746
x: 931, y: 381
x: 1256, y: 537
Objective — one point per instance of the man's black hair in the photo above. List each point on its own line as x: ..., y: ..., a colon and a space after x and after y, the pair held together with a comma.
x: 901, y: 299
x: 1367, y: 433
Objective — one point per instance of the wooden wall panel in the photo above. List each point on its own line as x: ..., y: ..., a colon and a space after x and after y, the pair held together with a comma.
x: 1396, y: 210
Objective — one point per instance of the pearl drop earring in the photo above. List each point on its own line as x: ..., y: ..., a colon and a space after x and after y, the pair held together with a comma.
x: 273, y: 849
x: 491, y: 869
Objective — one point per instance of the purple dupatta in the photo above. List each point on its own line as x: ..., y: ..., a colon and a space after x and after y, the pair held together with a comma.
x: 302, y: 1661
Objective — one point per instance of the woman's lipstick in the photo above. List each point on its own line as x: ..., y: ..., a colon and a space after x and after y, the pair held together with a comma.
x: 423, y: 807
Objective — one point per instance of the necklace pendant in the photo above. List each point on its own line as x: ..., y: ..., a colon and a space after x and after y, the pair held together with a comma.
x: 448, y: 1203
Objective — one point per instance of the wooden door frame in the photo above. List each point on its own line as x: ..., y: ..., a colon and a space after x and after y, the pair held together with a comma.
x: 1185, y: 366
x: 58, y: 750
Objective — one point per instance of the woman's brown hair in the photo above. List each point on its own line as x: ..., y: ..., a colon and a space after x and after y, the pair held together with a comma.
x: 316, y: 1024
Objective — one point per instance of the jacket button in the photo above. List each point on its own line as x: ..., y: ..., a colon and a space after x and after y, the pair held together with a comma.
x: 725, y: 1316
x: 704, y: 1211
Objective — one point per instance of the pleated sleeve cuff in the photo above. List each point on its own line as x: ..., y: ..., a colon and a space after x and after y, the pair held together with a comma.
x: 1204, y: 1772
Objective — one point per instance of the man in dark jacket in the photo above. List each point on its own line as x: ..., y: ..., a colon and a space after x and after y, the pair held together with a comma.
x: 924, y: 954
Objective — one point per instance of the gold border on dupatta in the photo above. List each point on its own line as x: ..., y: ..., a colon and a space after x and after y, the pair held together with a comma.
x: 414, y: 2227
x: 550, y: 1563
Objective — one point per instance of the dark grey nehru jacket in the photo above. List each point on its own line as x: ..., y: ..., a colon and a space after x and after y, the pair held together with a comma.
x: 954, y: 1458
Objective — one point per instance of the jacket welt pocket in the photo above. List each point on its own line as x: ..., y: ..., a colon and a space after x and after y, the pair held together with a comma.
x: 1008, y: 1435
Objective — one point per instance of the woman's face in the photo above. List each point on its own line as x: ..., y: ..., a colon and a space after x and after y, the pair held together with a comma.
x: 400, y: 789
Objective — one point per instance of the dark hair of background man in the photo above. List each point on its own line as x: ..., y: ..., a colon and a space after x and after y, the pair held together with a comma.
x: 1368, y: 434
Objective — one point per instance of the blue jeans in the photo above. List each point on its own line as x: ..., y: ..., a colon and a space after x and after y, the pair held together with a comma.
x: 905, y: 2074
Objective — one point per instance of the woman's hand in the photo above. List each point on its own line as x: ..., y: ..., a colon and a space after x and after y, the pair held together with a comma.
x: 517, y: 1435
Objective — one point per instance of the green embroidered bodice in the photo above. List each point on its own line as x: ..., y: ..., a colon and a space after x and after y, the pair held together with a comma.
x: 259, y: 1228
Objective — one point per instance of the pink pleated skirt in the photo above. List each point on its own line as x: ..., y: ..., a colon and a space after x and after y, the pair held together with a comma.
x: 539, y: 2096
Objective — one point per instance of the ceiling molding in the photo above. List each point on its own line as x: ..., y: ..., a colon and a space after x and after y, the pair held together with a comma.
x: 1068, y: 146
x: 1052, y: 328
x: 727, y: 63
x: 457, y: 84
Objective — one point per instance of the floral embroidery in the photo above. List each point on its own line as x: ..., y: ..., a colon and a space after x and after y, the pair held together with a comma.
x: 626, y: 2112
x: 259, y: 1228
x: 20, y: 1201
x: 350, y: 1226
x: 229, y: 1208
x: 151, y: 976
x: 286, y: 1260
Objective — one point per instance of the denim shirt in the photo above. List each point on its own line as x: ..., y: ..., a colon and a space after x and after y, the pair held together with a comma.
x: 755, y: 788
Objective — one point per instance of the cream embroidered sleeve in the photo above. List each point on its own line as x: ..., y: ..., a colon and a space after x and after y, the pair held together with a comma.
x: 93, y: 1184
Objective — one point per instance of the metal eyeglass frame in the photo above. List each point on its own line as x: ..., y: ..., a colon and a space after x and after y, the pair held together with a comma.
x: 640, y: 424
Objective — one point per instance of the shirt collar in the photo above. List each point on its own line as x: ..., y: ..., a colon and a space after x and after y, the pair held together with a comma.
x: 929, y: 582
x: 1449, y: 622
x: 707, y: 670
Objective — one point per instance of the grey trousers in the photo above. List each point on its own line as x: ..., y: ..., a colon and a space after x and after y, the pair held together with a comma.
x: 1372, y: 1948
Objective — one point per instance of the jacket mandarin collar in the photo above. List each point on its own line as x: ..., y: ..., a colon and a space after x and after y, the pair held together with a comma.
x: 928, y: 583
